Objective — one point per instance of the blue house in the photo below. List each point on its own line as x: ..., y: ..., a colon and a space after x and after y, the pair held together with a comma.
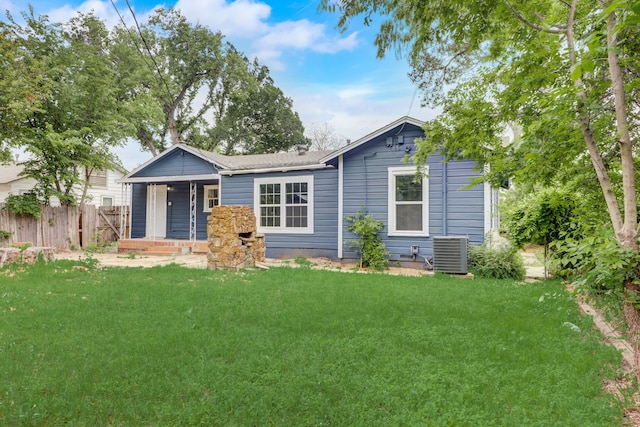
x: 301, y: 198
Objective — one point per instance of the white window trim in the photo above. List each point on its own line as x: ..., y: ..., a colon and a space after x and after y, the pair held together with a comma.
x: 113, y: 200
x: 205, y: 199
x: 282, y: 181
x: 391, y: 190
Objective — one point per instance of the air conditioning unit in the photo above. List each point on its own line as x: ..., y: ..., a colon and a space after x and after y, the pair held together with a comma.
x: 450, y: 254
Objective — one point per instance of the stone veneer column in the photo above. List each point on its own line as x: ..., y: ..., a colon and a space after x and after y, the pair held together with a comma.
x: 233, y: 240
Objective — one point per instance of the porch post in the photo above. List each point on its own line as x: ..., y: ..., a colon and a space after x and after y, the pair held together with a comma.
x: 151, y: 210
x: 192, y: 210
x: 125, y: 202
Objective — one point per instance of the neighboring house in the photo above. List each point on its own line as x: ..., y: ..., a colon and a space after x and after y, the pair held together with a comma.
x: 301, y: 198
x: 104, y: 189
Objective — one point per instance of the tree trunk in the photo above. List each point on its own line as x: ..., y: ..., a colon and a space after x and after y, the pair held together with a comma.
x: 144, y: 137
x: 627, y: 234
x: 625, y: 229
x: 173, y: 127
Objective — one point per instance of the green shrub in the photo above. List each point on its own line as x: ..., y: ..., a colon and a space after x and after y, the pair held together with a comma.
x: 502, y: 263
x: 542, y: 217
x: 370, y: 246
x: 26, y: 204
x: 597, y: 264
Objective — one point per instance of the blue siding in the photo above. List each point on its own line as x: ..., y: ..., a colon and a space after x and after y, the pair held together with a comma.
x: 366, y: 185
x: 138, y: 210
x: 454, y: 209
x: 177, y: 163
x: 178, y: 213
x: 238, y: 190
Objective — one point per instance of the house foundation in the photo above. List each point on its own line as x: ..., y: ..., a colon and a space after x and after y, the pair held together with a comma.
x: 232, y: 238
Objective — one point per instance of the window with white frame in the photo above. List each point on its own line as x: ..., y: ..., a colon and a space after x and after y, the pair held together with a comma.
x: 211, y: 197
x: 107, y: 201
x: 408, y: 202
x: 284, y: 205
x: 98, y: 178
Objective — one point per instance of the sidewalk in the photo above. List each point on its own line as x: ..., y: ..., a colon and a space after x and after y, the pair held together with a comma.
x: 534, y: 266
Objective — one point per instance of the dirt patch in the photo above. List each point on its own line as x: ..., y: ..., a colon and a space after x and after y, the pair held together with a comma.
x: 113, y: 259
x: 200, y: 261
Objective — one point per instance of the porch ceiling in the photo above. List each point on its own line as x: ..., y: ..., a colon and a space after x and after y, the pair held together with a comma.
x: 173, y: 178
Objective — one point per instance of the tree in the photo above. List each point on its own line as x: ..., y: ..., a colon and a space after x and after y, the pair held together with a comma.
x: 75, y: 117
x: 567, y: 72
x: 324, y: 137
x: 209, y: 94
x: 256, y: 117
x: 23, y: 85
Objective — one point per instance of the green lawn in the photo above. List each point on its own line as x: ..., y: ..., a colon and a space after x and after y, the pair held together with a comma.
x: 294, y: 347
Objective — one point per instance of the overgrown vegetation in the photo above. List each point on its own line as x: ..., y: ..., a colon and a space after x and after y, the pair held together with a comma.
x: 294, y: 346
x: 542, y: 217
x: 25, y: 204
x: 370, y: 246
x: 500, y: 263
x: 599, y: 266
x: 4, y: 235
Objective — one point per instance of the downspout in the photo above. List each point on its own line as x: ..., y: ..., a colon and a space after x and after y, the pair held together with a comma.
x: 489, y: 207
x: 445, y: 179
x: 340, y: 204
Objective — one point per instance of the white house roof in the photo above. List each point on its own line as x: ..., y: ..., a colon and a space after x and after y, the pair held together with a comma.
x: 9, y: 173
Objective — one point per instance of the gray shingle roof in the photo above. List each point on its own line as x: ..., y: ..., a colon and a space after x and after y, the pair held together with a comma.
x: 264, y: 161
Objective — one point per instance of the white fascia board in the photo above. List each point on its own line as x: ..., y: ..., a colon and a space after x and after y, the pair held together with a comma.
x: 175, y: 178
x: 168, y: 151
x: 275, y: 169
x: 375, y: 134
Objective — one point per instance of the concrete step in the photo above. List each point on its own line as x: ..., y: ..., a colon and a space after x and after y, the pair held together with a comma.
x: 164, y: 249
x: 159, y: 253
x: 200, y: 248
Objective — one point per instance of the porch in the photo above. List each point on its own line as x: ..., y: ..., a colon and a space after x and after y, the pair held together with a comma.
x: 163, y: 246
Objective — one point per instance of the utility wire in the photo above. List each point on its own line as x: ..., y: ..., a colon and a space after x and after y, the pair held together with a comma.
x: 156, y: 70
x: 413, y: 98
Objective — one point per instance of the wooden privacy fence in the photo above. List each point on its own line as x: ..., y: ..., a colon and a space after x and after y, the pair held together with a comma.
x: 65, y: 227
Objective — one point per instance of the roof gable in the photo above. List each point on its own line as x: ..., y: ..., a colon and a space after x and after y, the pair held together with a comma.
x: 153, y: 165
x: 401, y: 122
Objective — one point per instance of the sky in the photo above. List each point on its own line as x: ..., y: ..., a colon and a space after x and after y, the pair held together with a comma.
x: 332, y: 77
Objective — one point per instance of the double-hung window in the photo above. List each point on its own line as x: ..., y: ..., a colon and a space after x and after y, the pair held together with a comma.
x: 408, y: 202
x: 284, y: 205
x: 211, y: 197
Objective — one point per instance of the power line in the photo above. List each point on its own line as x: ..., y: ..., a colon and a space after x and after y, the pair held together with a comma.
x: 156, y: 72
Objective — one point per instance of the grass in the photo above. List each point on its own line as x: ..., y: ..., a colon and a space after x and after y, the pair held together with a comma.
x: 294, y: 347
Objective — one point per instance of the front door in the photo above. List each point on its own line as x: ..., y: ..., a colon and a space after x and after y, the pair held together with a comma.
x: 156, y: 211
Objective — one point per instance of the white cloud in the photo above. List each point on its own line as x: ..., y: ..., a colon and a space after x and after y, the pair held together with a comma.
x: 7, y: 5
x: 240, y: 18
x: 248, y: 20
x: 303, y: 35
x: 356, y: 111
x: 355, y: 92
x: 102, y: 9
